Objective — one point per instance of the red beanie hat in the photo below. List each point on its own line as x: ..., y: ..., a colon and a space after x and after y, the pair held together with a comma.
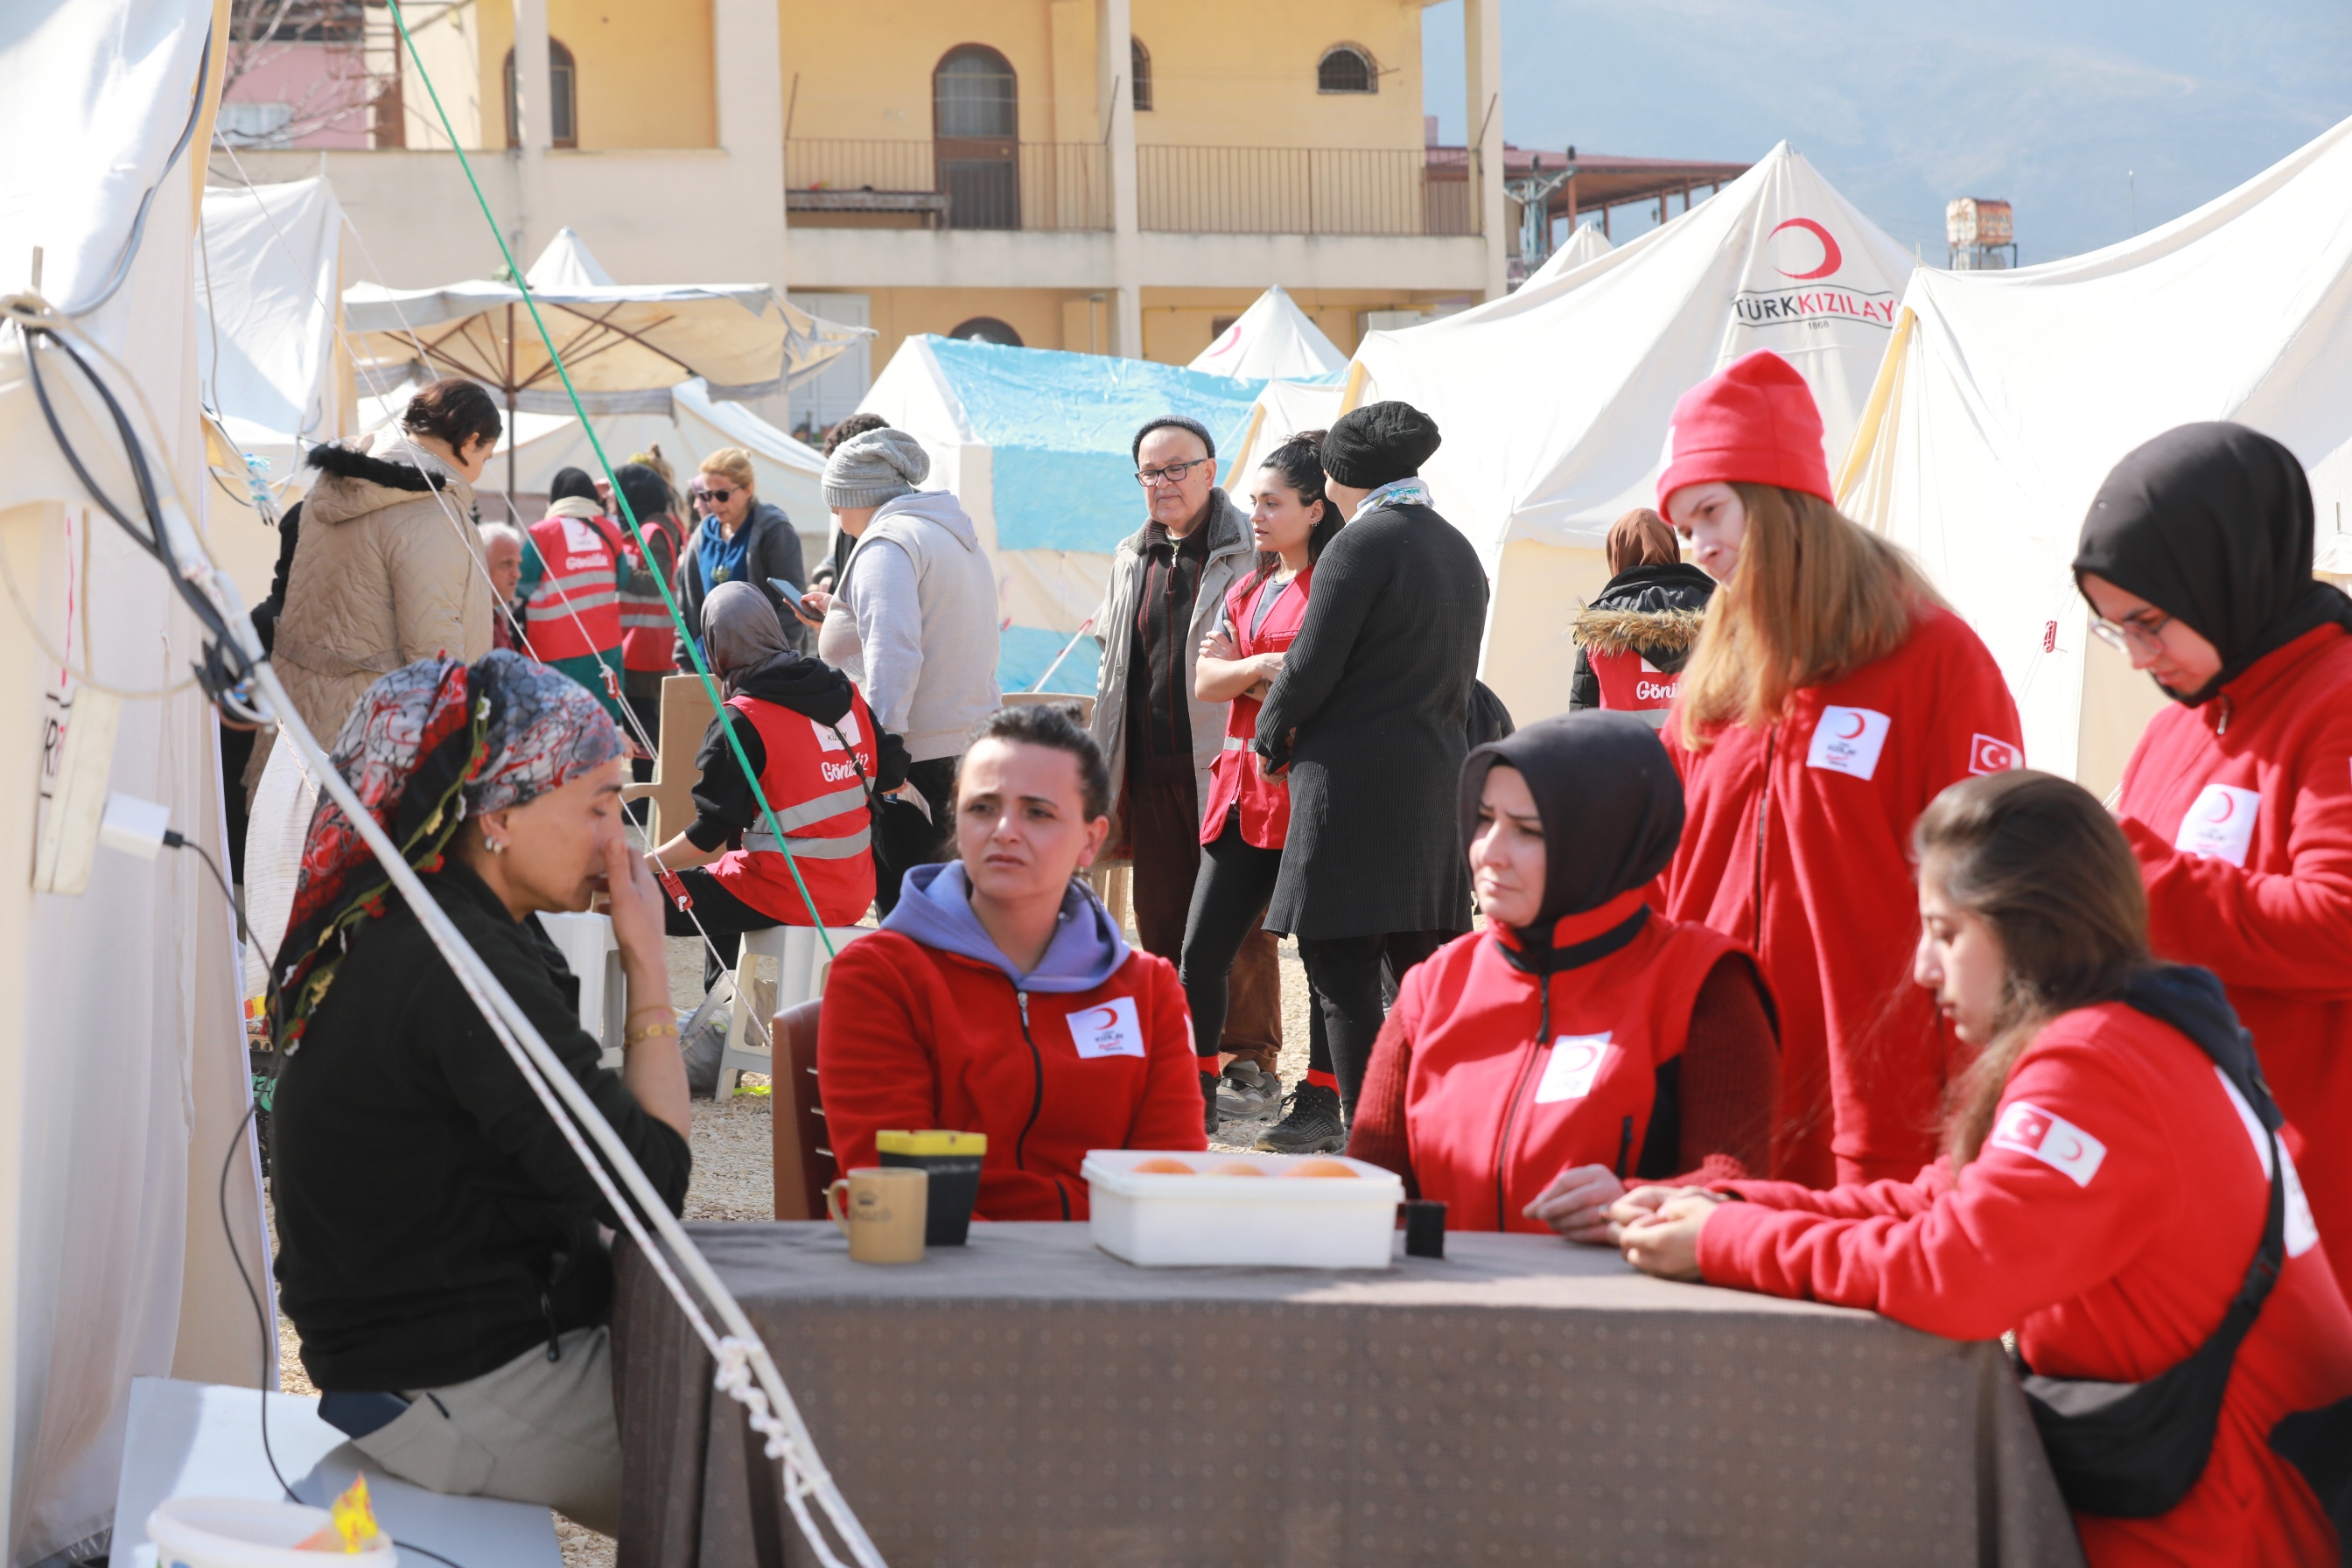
x: 1753, y: 422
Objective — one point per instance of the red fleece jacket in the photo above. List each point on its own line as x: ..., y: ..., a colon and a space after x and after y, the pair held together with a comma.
x: 2241, y: 811
x: 2109, y: 1220
x: 914, y: 1037
x: 1797, y: 846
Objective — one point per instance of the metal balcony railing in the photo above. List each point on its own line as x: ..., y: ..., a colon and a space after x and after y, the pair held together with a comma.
x: 1305, y: 190
x: 953, y: 183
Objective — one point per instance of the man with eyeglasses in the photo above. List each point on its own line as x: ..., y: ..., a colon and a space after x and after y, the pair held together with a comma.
x: 1167, y: 582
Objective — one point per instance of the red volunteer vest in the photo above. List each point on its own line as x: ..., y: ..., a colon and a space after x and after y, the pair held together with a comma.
x: 1629, y: 683
x: 1492, y: 1114
x: 576, y: 610
x: 646, y: 641
x: 819, y: 799
x: 1234, y: 780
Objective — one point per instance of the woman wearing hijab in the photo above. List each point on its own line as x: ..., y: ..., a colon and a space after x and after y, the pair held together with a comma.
x: 1582, y: 1041
x: 439, y: 1247
x: 1831, y: 696
x: 809, y: 739
x: 2196, y: 558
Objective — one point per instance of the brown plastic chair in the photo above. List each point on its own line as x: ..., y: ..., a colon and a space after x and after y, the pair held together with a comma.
x: 803, y: 1163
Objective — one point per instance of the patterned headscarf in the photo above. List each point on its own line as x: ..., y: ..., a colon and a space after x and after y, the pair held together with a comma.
x: 426, y: 746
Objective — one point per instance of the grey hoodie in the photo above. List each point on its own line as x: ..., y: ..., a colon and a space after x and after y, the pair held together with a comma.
x: 914, y: 623
x: 936, y: 909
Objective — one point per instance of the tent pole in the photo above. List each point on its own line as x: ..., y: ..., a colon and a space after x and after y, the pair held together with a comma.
x: 1873, y: 413
x: 513, y: 440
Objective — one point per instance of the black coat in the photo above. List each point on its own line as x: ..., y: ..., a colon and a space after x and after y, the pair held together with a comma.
x: 1653, y: 610
x: 1377, y: 687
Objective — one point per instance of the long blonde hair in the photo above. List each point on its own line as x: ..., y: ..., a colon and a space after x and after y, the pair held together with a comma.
x: 1816, y: 595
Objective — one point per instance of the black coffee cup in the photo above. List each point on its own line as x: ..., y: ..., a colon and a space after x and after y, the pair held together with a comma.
x: 954, y: 1159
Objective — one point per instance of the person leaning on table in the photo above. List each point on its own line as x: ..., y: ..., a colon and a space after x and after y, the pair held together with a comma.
x: 1527, y: 1072
x: 999, y: 996
x: 2104, y: 1186
x: 439, y: 1241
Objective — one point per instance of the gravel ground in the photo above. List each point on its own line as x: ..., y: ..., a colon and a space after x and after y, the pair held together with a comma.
x: 732, y: 1181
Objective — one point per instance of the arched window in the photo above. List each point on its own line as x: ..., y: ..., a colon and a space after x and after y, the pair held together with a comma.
x: 561, y: 118
x: 976, y: 123
x: 1142, y: 68
x: 1347, y: 68
x: 988, y: 330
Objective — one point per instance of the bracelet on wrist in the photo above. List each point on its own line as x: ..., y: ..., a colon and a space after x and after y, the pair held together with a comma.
x: 650, y: 1032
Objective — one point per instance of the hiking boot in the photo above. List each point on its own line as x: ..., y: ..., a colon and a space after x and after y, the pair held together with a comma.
x: 1246, y: 1090
x: 1208, y: 1102
x: 1313, y: 1126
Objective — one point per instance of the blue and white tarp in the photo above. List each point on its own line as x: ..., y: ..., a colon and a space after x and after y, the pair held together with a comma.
x: 1037, y: 444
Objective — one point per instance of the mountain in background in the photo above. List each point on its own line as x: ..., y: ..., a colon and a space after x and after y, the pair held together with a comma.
x: 2046, y: 105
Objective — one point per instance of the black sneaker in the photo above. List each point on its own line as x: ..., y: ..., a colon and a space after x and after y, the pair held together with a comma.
x: 1313, y: 1126
x: 1209, y: 1094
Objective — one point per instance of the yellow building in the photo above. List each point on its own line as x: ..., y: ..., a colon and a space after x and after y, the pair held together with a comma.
x: 1101, y: 175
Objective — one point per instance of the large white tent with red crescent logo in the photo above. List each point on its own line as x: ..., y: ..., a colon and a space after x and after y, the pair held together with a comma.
x: 1273, y: 337
x: 2009, y: 395
x: 1554, y: 401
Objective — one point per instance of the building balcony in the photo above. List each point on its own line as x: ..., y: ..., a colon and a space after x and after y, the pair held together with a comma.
x: 1304, y: 191
x: 973, y: 183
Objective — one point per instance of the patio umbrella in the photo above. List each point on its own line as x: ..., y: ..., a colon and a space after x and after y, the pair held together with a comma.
x: 626, y: 345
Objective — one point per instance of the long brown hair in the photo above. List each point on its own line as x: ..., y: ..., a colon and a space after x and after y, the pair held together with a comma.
x: 1816, y: 595
x: 2038, y: 860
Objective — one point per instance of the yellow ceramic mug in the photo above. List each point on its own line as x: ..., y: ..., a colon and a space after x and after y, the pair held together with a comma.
x: 882, y: 1210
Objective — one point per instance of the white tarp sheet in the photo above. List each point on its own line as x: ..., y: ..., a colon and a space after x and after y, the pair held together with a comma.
x: 122, y: 1057
x: 2013, y: 394
x: 266, y: 275
x: 1273, y: 337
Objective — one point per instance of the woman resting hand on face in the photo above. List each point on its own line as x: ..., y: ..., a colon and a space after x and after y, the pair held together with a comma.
x: 2106, y: 1183
x: 999, y: 997
x: 1529, y: 1070
x: 2196, y: 557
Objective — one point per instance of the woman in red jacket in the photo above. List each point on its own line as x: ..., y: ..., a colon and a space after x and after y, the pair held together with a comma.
x: 999, y: 996
x: 1831, y: 697
x: 2196, y: 557
x: 1529, y: 1070
x: 1247, y: 814
x: 2107, y: 1187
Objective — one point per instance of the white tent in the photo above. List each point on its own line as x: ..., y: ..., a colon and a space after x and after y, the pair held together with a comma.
x: 1554, y: 400
x: 1587, y: 243
x: 2008, y: 396
x: 1283, y: 409
x: 122, y: 1057
x: 1273, y: 337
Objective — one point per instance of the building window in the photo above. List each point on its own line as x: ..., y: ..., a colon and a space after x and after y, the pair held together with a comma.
x: 976, y: 121
x: 988, y: 330
x: 562, y: 120
x: 1141, y: 67
x: 1347, y: 68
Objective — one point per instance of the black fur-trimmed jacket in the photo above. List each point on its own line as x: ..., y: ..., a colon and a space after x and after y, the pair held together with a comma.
x: 1655, y: 611
x: 386, y: 571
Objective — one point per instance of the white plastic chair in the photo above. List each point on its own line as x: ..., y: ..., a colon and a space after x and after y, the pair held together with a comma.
x: 801, y: 966
x: 594, y: 956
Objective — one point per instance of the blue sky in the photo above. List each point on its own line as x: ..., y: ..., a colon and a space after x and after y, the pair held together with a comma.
x: 1902, y: 107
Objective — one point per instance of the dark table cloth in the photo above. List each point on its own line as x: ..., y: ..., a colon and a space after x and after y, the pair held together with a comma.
x: 1029, y: 1399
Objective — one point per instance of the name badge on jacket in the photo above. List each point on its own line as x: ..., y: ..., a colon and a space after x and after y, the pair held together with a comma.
x: 1848, y: 740
x: 1109, y: 1030
x: 2221, y: 824
x: 1576, y: 1061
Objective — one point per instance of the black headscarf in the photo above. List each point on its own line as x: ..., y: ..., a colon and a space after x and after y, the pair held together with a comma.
x: 572, y: 484
x: 2211, y: 524
x: 1610, y: 802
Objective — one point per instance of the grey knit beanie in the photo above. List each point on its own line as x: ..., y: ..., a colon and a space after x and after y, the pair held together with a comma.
x: 877, y: 466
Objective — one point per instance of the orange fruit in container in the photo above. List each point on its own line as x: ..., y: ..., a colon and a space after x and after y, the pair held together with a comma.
x: 1160, y: 1166
x: 1237, y: 1168
x: 1321, y: 1168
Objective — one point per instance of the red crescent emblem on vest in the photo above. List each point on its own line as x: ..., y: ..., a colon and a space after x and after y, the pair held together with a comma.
x: 1854, y: 733
x: 2224, y: 807
x: 1831, y: 258
x: 1109, y: 1019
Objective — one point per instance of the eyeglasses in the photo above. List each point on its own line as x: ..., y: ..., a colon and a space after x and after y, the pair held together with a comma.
x: 2148, y: 636
x: 1173, y: 474
x: 715, y: 496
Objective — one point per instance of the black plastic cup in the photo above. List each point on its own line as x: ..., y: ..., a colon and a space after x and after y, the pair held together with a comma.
x: 953, y: 1160
x: 1424, y: 1227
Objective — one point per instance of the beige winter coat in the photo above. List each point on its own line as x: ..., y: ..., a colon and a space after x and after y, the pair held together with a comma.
x: 384, y: 574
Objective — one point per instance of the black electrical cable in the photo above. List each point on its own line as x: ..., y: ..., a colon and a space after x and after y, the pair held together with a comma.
x: 172, y: 836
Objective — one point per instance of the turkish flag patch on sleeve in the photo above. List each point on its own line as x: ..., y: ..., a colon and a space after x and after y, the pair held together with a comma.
x: 1988, y: 755
x: 2052, y: 1140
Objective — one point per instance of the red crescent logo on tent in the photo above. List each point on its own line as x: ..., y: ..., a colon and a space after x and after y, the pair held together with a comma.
x: 1232, y: 336
x: 1854, y: 733
x: 1109, y: 1019
x: 1831, y: 258
x: 2224, y: 806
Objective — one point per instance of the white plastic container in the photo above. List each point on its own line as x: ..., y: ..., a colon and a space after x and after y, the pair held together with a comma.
x: 241, y: 1533
x: 1274, y: 1221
